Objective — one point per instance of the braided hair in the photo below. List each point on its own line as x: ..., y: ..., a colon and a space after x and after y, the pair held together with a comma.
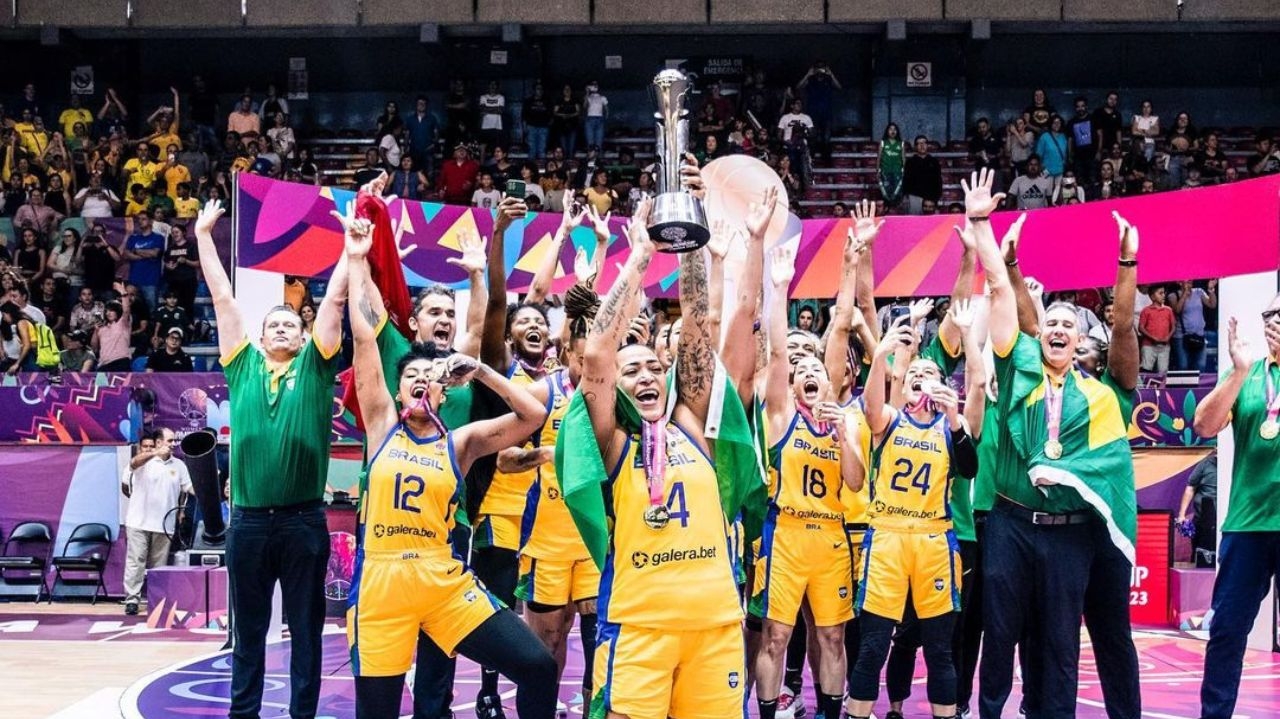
x: 581, y: 303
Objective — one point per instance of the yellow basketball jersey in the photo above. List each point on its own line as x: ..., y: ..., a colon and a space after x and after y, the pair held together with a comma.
x: 804, y: 474
x: 507, y: 492
x: 912, y: 484
x: 412, y: 489
x: 547, y: 531
x: 856, y: 503
x: 679, y: 577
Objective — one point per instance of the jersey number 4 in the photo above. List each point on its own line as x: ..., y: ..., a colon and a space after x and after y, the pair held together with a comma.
x: 677, y: 498
x: 919, y: 478
x: 408, y: 488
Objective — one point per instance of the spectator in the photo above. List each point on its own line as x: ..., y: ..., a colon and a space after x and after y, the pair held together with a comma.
x: 709, y: 151
x: 501, y: 168
x: 173, y: 172
x: 1155, y: 329
x: 31, y: 257
x: 1211, y: 160
x: 1135, y: 169
x: 535, y: 113
x: 1019, y: 144
x: 306, y: 168
x: 389, y: 148
x: 554, y: 191
x: 1102, y: 331
x: 20, y: 295
x: 819, y: 85
x: 759, y: 102
x: 165, y: 124
x: 1031, y: 190
x: 283, y: 141
x: 160, y: 216
x: 1052, y: 148
x: 1107, y: 187
x: 87, y: 314
x: 566, y: 117
x: 1193, y: 177
x: 407, y: 181
x: 1146, y: 125
x: 158, y: 483
x: 1202, y: 489
x: 28, y: 103
x: 65, y: 264
x: 643, y: 188
x: 790, y: 181
x: 111, y: 338
x: 203, y: 109
x: 1038, y: 113
x: 231, y: 157
x: 75, y: 113
x: 1231, y: 174
x: 1084, y: 148
x: 1068, y: 191
x: 625, y: 172
x: 532, y: 184
x: 1189, y: 304
x: 600, y: 194
x: 15, y: 196
x: 56, y: 196
x: 258, y: 163
x: 17, y: 331
x: 1085, y: 318
x: 185, y: 207
x: 457, y: 107
x: 100, y: 259
x: 77, y: 357
x: 140, y: 331
x: 181, y: 262
x: 1182, y: 141
x: 458, y: 178
x: 50, y: 303
x: 139, y: 200
x: 492, y: 105
x: 388, y: 121
x: 244, y: 121
x: 984, y: 146
x: 922, y: 177
x: 143, y: 250
x: 1266, y: 161
x: 422, y: 128
x: 141, y: 169
x: 709, y: 124
x: 596, y: 109
x: 33, y: 137
x: 37, y: 215
x: 1107, y: 124
x: 737, y: 136
x: 839, y: 210
x: 273, y: 104
x: 171, y: 357
x: 486, y: 195
x: 721, y: 105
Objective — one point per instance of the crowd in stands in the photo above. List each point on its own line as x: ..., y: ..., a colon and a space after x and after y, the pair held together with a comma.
x: 64, y: 173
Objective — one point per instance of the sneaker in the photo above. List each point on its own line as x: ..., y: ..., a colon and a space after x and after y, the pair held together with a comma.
x: 891, y: 714
x: 790, y: 706
x: 131, y: 608
x: 962, y: 713
x: 490, y: 707
x: 562, y: 710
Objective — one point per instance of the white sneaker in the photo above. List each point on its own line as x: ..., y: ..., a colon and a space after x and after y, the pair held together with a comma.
x: 562, y: 710
x: 790, y: 706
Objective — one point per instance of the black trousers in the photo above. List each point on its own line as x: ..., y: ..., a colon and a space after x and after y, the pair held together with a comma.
x: 1106, y: 614
x: 289, y: 545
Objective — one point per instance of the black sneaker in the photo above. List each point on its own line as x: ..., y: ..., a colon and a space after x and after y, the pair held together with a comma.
x: 131, y: 608
x: 891, y: 714
x: 490, y: 707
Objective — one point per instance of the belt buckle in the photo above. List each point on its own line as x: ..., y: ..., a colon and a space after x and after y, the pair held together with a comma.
x: 1042, y: 518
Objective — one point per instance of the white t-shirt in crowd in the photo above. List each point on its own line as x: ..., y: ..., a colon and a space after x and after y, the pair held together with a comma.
x: 1146, y: 124
x: 392, y: 148
x: 157, y: 485
x: 96, y: 206
x: 785, y: 123
x: 533, y: 189
x: 491, y: 111
x: 596, y: 104
x: 487, y: 200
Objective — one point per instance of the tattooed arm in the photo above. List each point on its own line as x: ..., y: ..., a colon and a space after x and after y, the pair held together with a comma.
x: 376, y: 403
x: 485, y: 437
x: 695, y: 354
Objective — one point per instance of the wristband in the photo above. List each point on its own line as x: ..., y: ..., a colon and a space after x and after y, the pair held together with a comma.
x: 1128, y: 263
x: 980, y: 219
x: 1011, y: 264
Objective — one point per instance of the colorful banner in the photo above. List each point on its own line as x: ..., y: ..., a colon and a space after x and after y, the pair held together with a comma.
x: 1190, y: 234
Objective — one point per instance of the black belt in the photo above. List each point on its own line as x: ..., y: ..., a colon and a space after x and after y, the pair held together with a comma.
x: 285, y: 508
x: 1048, y: 519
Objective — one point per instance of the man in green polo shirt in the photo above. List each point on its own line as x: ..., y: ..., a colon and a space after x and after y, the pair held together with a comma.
x: 281, y: 414
x: 1247, y: 398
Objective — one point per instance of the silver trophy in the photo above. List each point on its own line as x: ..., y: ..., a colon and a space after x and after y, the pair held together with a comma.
x: 678, y: 222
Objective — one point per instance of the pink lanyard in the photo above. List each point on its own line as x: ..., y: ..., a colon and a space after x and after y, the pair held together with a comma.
x: 653, y: 439
x: 425, y: 403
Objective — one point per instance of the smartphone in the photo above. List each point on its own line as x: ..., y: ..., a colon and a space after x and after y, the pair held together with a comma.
x: 898, y: 311
x: 516, y: 189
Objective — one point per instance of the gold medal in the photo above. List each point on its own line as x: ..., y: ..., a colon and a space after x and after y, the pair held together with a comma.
x: 657, y: 516
x: 1270, y: 429
x: 1053, y: 449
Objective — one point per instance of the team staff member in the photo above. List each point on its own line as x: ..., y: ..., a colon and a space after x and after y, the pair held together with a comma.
x: 804, y: 552
x: 1064, y: 481
x: 910, y: 549
x: 1249, y: 556
x: 281, y: 408
x: 410, y: 576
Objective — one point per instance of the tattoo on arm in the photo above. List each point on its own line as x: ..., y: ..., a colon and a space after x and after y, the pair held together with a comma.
x: 695, y: 354
x: 367, y: 311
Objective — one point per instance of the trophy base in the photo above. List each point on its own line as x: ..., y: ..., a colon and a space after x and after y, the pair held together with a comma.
x: 678, y: 223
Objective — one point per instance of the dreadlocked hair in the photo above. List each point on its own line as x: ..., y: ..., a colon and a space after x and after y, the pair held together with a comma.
x: 581, y: 303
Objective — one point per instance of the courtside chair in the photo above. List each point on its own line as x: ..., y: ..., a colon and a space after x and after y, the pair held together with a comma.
x: 87, y: 552
x: 26, y: 551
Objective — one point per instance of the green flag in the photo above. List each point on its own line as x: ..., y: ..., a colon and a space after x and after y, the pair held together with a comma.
x: 580, y: 461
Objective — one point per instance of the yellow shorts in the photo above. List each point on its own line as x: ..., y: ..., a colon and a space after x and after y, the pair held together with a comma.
x: 498, y: 530
x: 658, y: 673
x: 801, y: 559
x: 927, y: 565
x: 393, y: 596
x: 555, y: 583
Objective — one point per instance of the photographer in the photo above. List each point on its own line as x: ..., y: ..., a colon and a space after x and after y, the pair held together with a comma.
x: 795, y: 127
x: 100, y: 259
x: 95, y: 201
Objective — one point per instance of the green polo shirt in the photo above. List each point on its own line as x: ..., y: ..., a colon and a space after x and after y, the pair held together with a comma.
x: 1254, y: 501
x: 281, y: 422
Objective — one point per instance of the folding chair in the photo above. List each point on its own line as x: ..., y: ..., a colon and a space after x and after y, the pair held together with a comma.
x: 87, y: 552
x: 19, y: 556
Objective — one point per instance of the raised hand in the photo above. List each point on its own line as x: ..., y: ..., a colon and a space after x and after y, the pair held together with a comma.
x: 962, y: 314
x: 828, y: 412
x: 639, y: 330
x: 865, y: 226
x: 782, y: 267
x: 898, y: 336
x: 638, y: 228
x: 459, y: 369
x: 509, y: 210
x: 584, y: 269
x: 1128, y: 238
x: 1241, y: 357
x: 1035, y: 288
x: 920, y: 309
x: 1009, y: 245
x: 978, y: 200
x: 854, y: 246
x: 474, y: 257
x: 760, y: 213
x: 691, y: 177
x: 721, y: 240
x: 208, y: 217
x: 598, y: 223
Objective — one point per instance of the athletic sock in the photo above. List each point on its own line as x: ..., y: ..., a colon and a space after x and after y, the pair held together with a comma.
x: 830, y: 705
x: 488, y: 682
x: 768, y: 709
x: 794, y: 680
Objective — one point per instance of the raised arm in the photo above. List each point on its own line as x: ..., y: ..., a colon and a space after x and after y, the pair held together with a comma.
x: 376, y: 403
x: 717, y: 249
x: 473, y: 261
x: 950, y: 335
x: 599, y: 367
x: 741, y: 366
x: 327, y: 330
x: 1122, y: 356
x: 1028, y: 312
x: 695, y: 354
x: 493, y: 345
x: 852, y: 468
x: 778, y: 402
x: 979, y: 204
x: 486, y: 437
x: 879, y: 414
x: 859, y: 238
x: 226, y: 310
x: 540, y: 286
x: 964, y: 314
x: 1214, y: 413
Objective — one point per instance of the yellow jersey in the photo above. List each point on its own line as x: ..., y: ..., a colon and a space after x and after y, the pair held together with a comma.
x: 547, y: 530
x: 911, y: 489
x: 411, y: 491
x: 507, y: 492
x: 679, y: 577
x: 804, y: 474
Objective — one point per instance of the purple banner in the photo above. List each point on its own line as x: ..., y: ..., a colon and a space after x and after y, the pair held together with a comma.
x: 119, y: 229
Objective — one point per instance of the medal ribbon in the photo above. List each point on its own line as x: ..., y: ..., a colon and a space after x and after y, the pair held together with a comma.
x: 819, y: 427
x: 424, y: 403
x: 1053, y: 408
x: 653, y: 445
x: 1273, y: 401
